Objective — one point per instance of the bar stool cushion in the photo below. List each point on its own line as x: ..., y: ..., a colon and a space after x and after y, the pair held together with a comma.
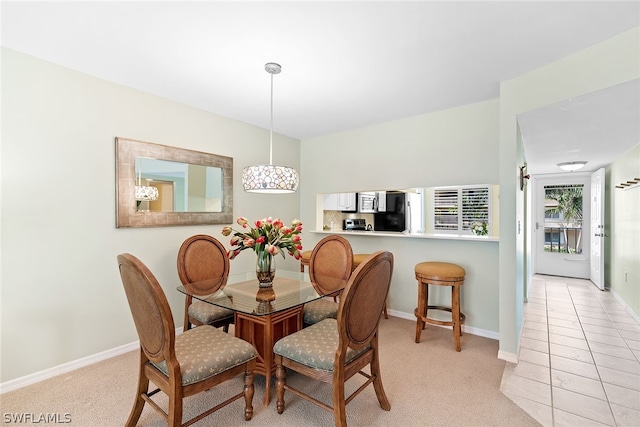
x: 439, y: 271
x: 306, y: 256
x: 358, y: 258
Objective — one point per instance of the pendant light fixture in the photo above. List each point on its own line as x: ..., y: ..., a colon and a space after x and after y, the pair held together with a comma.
x: 270, y: 178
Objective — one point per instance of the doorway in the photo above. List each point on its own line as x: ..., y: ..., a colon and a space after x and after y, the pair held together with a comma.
x: 562, y: 225
x: 165, y: 201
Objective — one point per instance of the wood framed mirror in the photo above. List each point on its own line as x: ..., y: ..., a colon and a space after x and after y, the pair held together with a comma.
x: 161, y: 186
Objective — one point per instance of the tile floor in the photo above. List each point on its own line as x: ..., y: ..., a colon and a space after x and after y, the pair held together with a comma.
x: 579, y: 361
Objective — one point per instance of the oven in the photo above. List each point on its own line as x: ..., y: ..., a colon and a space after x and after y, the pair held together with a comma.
x: 354, y: 224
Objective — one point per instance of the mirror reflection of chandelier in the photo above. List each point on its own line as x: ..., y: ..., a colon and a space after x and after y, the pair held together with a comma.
x: 145, y: 193
x: 270, y: 178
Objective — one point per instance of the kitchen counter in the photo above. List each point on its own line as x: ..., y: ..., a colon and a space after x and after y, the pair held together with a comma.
x: 406, y: 235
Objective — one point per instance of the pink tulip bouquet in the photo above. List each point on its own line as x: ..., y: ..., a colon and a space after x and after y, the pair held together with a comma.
x: 268, y: 236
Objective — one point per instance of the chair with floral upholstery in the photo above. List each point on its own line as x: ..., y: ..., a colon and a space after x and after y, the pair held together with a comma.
x: 203, y: 268
x: 330, y: 266
x: 334, y: 350
x: 182, y: 365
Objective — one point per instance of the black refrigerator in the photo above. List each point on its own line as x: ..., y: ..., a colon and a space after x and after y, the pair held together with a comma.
x: 394, y: 218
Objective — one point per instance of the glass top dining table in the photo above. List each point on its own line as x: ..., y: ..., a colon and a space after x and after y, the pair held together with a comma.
x: 264, y: 315
x: 289, y: 290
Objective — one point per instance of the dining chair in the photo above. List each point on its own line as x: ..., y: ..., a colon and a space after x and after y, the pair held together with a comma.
x: 330, y: 266
x: 334, y: 350
x: 203, y: 268
x: 183, y: 365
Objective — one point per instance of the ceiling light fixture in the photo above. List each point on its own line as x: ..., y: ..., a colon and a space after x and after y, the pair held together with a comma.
x: 572, y: 166
x: 270, y: 178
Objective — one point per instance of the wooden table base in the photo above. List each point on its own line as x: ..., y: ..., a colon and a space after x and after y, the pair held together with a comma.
x: 263, y: 332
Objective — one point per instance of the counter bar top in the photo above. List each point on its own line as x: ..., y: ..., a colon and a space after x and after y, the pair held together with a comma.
x: 405, y: 235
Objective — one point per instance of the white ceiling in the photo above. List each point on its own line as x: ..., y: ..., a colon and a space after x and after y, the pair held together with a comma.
x: 344, y: 64
x: 596, y: 128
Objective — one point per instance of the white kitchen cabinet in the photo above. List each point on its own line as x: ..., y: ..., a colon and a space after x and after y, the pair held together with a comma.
x: 339, y: 202
x: 347, y: 201
x: 331, y: 202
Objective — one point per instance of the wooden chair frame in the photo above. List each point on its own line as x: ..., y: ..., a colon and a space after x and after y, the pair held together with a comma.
x: 354, y: 265
x: 358, y: 320
x: 156, y: 330
x: 330, y: 266
x: 331, y: 258
x: 203, y: 268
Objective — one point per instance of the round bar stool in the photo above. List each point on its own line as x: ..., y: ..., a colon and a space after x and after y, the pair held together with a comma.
x: 439, y: 274
x: 357, y: 259
x: 304, y: 261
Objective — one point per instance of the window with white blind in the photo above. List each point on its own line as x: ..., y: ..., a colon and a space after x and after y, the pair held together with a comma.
x: 455, y: 209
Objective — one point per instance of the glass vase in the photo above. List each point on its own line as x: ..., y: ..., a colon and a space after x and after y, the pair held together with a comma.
x: 265, y: 269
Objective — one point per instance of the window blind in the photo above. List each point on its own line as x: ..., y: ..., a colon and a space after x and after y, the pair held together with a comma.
x: 456, y: 208
x: 445, y: 209
x: 475, y: 206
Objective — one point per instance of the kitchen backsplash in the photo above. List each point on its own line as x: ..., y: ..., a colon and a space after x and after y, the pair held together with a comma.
x: 332, y: 220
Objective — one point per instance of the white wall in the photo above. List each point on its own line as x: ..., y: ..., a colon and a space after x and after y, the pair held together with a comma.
x: 606, y: 64
x: 61, y: 294
x: 451, y: 147
x: 622, y: 224
x: 62, y: 298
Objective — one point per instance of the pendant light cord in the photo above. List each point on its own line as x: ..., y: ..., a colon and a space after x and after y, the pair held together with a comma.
x: 269, y: 178
x: 271, y: 133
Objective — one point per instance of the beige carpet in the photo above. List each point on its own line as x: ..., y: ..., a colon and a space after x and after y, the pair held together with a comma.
x: 428, y: 384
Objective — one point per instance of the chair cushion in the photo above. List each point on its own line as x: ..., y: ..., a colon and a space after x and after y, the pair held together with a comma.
x: 208, y: 313
x: 315, y: 346
x: 206, y: 351
x: 318, y: 310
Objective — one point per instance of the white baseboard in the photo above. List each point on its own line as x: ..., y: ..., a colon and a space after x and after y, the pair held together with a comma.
x: 98, y: 357
x: 466, y: 329
x: 66, y: 367
x: 625, y: 305
x: 507, y: 356
x: 70, y: 366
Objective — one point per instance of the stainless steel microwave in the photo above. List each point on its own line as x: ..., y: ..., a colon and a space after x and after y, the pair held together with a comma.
x: 368, y: 202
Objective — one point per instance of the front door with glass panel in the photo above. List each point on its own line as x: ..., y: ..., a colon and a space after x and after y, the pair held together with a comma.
x: 597, y: 228
x: 562, y: 226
